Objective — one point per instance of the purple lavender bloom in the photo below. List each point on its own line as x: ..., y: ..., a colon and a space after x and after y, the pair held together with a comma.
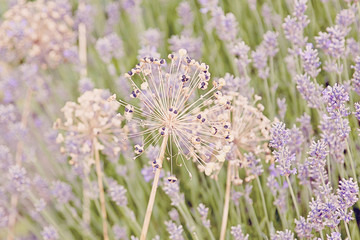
x: 345, y: 18
x: 281, y: 102
x: 148, y: 51
x: 235, y: 197
x: 173, y: 191
x: 192, y: 45
x: 310, y: 91
x: 174, y: 231
x: 335, y: 131
x: 117, y: 193
x: 151, y: 37
x: 285, y: 160
x: 227, y: 28
x: 283, y: 235
x: 296, y: 140
x: 348, y: 193
x: 18, y: 178
x: 293, y: 30
x: 323, y: 41
x: 237, y: 233
x: 85, y: 84
x: 3, y: 217
x: 270, y: 43
x: 352, y: 47
x: 357, y: 110
x: 311, y: 61
x: 148, y: 173
x: 109, y: 47
x: 113, y: 15
x: 254, y: 165
x: 119, y: 232
x: 336, y: 98
x: 280, y: 136
x: 305, y: 126
x: 85, y: 14
x: 303, y: 228
x: 49, y: 233
x: 61, y: 191
x: 259, y: 57
x: 334, y: 236
x: 174, y: 215
x: 185, y: 14
x: 356, y: 76
x: 203, y: 211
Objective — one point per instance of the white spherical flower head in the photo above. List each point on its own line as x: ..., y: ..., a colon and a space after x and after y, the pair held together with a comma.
x: 93, y: 117
x: 176, y: 103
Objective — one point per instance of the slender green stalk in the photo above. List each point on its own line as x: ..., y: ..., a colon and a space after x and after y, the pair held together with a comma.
x: 263, y: 203
x: 293, y: 197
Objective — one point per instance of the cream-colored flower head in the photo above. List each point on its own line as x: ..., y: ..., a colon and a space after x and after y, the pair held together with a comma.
x: 249, y: 133
x: 174, y: 100
x: 38, y: 32
x: 94, y: 116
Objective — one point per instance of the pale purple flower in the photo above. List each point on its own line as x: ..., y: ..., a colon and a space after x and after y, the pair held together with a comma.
x: 348, y: 193
x: 357, y: 110
x: 203, y: 211
x: 227, y: 28
x: 85, y: 14
x: 280, y: 136
x: 270, y: 43
x: 293, y: 30
x: 305, y: 126
x: 192, y: 45
x: 18, y: 178
x: 174, y: 231
x: 336, y: 97
x: 335, y: 131
x: 352, y: 48
x: 61, y: 191
x: 281, y: 102
x: 346, y: 17
x: 283, y: 235
x: 309, y: 90
x: 334, y: 236
x: 311, y: 61
x: 109, y: 47
x: 117, y: 193
x: 85, y: 84
x: 152, y: 37
x: 3, y: 217
x: 285, y: 159
x: 113, y: 16
x: 296, y: 140
x: 173, y: 191
x: 49, y: 233
x: 356, y: 76
x: 303, y: 228
x: 119, y: 232
x: 237, y: 233
x: 174, y: 215
x: 185, y: 13
x: 148, y: 52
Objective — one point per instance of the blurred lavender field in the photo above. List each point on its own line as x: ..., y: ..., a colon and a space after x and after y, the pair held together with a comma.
x: 179, y: 119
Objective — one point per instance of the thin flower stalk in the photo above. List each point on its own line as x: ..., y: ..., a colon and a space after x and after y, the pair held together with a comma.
x: 226, y: 203
x: 101, y: 189
x: 150, y: 206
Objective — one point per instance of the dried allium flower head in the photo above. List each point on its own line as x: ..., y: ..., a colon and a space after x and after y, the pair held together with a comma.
x: 176, y: 102
x: 38, y: 32
x: 249, y: 129
x: 93, y: 117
